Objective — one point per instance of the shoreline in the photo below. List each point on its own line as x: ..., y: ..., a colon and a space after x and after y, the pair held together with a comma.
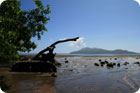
x: 98, y: 56
x: 85, y: 55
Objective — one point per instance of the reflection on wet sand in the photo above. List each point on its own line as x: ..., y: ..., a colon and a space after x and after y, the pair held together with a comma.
x: 79, y: 75
x: 30, y: 83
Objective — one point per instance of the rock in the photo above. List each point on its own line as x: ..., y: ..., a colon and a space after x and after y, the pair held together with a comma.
x: 126, y: 63
x: 137, y: 63
x: 66, y: 61
x: 115, y: 58
x: 110, y: 65
x: 118, y: 64
x: 100, y: 60
x: 114, y: 64
x: 96, y: 64
x: 102, y: 63
x: 70, y: 70
x: 106, y: 62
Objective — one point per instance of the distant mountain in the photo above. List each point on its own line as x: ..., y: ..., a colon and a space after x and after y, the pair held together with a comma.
x: 88, y: 50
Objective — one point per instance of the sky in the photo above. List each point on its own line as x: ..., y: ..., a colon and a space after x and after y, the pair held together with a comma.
x: 107, y: 24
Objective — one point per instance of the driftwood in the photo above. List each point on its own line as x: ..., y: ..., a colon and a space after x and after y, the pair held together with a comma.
x: 52, y: 46
x: 46, y: 63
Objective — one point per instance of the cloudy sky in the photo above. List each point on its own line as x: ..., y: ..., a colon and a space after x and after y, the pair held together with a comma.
x: 108, y: 24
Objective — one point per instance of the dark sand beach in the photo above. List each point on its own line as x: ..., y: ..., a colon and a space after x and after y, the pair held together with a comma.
x: 78, y: 74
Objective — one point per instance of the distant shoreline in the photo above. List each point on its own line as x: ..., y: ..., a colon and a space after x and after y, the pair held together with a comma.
x: 98, y: 56
x: 86, y: 55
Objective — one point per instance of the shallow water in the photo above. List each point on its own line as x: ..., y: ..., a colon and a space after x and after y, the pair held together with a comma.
x: 79, y: 75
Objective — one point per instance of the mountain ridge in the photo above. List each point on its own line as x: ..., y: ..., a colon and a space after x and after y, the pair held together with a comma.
x: 88, y: 50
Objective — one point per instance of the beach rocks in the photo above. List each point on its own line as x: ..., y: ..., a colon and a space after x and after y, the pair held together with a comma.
x: 96, y: 64
x: 71, y: 70
x: 66, y: 61
x: 137, y: 63
x: 102, y: 63
x: 118, y: 64
x: 110, y: 65
x: 126, y: 63
x: 106, y: 62
x: 100, y: 60
x: 114, y: 64
x: 115, y: 58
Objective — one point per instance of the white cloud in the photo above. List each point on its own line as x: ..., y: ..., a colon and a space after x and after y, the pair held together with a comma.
x: 1, y: 1
x: 138, y: 1
x: 79, y: 43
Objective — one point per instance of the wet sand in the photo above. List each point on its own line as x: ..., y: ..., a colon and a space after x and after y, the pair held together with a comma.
x: 78, y: 75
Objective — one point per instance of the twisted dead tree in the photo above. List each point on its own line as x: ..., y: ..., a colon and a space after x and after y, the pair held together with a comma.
x: 51, y: 49
x: 46, y: 62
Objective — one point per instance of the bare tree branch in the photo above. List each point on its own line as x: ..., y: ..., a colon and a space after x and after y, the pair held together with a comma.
x: 52, y: 46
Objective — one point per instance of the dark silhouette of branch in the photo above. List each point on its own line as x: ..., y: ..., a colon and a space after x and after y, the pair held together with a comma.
x: 52, y: 46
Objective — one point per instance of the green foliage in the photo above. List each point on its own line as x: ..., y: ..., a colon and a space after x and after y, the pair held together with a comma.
x: 18, y: 26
